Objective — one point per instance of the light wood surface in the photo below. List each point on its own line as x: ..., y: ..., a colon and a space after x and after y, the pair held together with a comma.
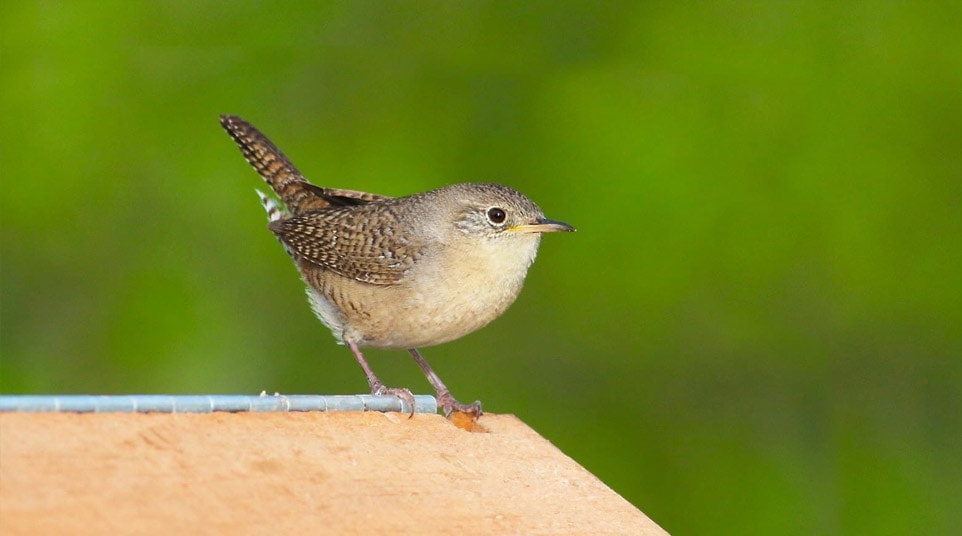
x: 295, y: 473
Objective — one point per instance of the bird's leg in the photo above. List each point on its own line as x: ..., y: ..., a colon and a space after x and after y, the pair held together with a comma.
x: 447, y: 402
x: 377, y: 387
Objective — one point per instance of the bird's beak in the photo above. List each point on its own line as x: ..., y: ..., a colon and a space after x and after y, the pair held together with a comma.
x: 542, y: 225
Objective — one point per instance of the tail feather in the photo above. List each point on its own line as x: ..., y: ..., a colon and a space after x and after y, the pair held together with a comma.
x: 283, y: 177
x: 275, y: 211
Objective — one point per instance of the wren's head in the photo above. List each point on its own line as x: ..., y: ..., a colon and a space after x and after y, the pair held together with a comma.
x: 486, y: 229
x: 492, y: 212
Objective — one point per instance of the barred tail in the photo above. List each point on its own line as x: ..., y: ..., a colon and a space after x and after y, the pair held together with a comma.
x: 275, y: 211
x: 286, y: 181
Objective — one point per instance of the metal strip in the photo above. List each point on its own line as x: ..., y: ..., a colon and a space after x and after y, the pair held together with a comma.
x: 210, y: 403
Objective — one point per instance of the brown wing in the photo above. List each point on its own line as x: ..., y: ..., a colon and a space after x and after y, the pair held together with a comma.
x: 297, y: 194
x: 360, y: 242
x: 337, y: 197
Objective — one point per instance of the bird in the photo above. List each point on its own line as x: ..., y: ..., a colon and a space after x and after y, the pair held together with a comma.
x: 399, y: 272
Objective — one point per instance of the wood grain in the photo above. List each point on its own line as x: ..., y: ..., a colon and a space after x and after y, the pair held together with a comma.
x: 295, y: 473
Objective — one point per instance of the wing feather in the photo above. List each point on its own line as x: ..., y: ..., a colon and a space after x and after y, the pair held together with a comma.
x: 362, y: 242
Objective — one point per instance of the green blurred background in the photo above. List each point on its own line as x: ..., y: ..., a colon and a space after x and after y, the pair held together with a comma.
x: 756, y: 329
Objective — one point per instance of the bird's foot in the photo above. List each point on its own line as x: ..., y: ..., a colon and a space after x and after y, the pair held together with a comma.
x: 450, y: 405
x: 403, y: 394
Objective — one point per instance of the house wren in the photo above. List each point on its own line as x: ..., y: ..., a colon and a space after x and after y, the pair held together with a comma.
x: 404, y: 272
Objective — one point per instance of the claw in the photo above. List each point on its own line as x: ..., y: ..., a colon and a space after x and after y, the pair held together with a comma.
x: 403, y: 394
x: 449, y: 405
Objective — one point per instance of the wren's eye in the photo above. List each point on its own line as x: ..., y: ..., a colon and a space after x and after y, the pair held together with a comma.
x: 496, y: 215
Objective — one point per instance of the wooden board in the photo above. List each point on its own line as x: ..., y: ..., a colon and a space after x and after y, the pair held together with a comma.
x: 295, y: 473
